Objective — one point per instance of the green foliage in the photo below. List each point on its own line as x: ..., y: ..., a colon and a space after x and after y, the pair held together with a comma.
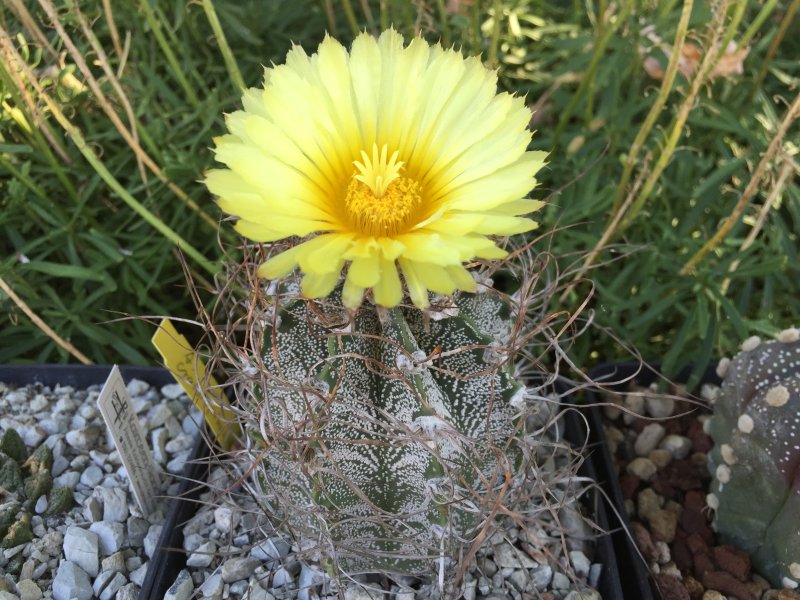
x: 390, y: 436
x: 70, y: 247
x: 643, y: 289
x: 665, y: 280
x: 755, y: 460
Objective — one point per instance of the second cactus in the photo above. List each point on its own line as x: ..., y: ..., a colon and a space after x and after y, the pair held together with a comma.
x: 756, y: 458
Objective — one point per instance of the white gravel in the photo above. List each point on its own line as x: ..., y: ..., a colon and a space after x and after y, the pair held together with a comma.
x: 96, y: 549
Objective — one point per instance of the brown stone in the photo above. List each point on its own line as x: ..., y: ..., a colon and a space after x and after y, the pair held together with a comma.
x: 629, y: 484
x: 696, y: 544
x: 694, y: 500
x: 701, y: 442
x: 702, y: 565
x: 683, y: 475
x: 694, y: 522
x: 644, y: 541
x: 681, y: 554
x: 727, y: 584
x: 663, y: 487
x: 670, y: 587
x: 734, y: 561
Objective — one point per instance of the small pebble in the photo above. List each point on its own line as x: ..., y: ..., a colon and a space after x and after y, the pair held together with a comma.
x: 41, y: 505
x: 92, y: 476
x: 71, y: 583
x: 81, y: 547
x: 213, y: 586
x: 203, y: 555
x: 151, y: 540
x: 182, y: 588
x: 238, y: 568
x: 110, y: 535
x: 643, y: 468
x: 678, y: 445
x: 649, y: 438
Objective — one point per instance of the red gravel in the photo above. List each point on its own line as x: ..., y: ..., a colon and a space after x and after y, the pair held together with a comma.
x: 703, y: 563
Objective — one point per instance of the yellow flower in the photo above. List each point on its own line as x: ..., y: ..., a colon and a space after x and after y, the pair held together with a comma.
x: 387, y: 155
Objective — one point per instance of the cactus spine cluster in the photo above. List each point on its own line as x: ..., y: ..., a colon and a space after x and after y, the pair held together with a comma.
x: 756, y: 459
x: 383, y: 434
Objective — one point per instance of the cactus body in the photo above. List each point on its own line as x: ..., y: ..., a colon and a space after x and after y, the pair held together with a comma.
x: 385, y: 433
x: 756, y: 458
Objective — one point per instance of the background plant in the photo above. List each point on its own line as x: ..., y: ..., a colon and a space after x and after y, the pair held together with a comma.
x: 674, y: 187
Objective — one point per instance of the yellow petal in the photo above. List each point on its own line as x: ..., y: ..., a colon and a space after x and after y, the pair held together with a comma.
x: 364, y: 271
x: 461, y: 278
x: 318, y: 285
x: 324, y: 253
x: 429, y: 247
x: 416, y: 289
x: 434, y: 278
x: 508, y: 184
x: 391, y: 248
x: 388, y: 291
x: 352, y: 295
x: 519, y: 207
x: 362, y: 247
x: 280, y: 265
x: 258, y: 232
x: 504, y: 225
x: 283, y: 226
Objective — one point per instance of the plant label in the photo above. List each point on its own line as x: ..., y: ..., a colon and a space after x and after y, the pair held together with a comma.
x: 126, y: 431
x: 189, y: 370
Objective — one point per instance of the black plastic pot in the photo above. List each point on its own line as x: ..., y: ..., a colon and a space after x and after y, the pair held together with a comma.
x: 611, y: 579
x: 169, y: 557
x: 79, y: 376
x: 635, y: 578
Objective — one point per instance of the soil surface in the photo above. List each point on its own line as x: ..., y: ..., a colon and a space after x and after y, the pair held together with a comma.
x: 661, y: 461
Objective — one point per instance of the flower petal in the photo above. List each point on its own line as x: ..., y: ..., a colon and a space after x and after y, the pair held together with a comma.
x: 416, y: 289
x: 280, y: 265
x: 323, y: 254
x: 352, y: 295
x: 388, y: 291
x: 318, y: 285
x: 461, y: 278
x: 364, y: 271
x: 435, y: 278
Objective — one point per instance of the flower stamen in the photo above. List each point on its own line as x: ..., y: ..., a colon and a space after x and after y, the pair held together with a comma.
x: 379, y: 200
x: 379, y: 172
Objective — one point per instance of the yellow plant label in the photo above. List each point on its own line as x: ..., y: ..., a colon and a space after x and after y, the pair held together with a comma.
x: 189, y: 370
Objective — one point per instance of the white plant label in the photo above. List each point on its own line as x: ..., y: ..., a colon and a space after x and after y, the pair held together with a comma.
x: 126, y: 431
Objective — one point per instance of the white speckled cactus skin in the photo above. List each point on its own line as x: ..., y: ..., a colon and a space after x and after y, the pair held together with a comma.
x: 756, y: 458
x: 385, y: 434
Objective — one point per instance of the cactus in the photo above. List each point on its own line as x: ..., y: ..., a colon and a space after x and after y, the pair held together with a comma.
x: 23, y: 479
x: 387, y: 430
x: 756, y: 458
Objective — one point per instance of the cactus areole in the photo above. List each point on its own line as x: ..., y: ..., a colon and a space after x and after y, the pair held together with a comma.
x: 756, y: 458
x: 387, y: 436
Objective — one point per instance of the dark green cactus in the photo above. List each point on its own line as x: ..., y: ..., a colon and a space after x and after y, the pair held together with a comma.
x: 387, y: 430
x: 756, y: 458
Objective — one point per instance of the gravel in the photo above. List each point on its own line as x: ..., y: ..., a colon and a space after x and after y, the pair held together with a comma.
x: 99, y: 547
x: 664, y: 488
